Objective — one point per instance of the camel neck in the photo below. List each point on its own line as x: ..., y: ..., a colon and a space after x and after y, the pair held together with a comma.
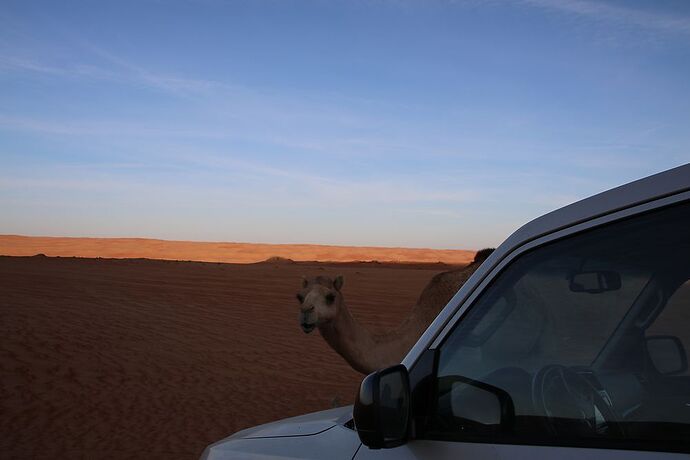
x: 352, y: 341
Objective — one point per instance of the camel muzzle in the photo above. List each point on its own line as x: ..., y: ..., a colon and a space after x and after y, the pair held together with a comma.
x: 306, y: 320
x: 307, y: 327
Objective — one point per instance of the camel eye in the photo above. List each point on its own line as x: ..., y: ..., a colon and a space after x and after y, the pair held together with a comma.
x: 330, y: 298
x: 300, y: 297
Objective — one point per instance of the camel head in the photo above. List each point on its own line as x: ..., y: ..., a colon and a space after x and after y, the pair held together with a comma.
x: 319, y: 299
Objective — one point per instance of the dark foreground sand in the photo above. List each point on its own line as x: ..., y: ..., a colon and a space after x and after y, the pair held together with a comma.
x: 105, y: 358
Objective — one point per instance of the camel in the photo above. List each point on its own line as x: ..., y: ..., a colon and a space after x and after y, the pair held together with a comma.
x: 322, y: 306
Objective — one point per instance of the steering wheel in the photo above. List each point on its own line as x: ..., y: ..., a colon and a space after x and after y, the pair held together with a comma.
x: 569, y: 404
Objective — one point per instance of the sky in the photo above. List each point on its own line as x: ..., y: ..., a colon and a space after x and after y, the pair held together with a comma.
x: 416, y: 123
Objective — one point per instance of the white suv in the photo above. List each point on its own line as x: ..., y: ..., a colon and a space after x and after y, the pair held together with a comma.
x: 569, y: 341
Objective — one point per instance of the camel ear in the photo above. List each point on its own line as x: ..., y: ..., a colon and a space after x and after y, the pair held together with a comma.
x: 304, y: 282
x: 338, y: 282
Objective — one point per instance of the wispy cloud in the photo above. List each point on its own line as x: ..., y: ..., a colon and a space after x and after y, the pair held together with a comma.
x: 10, y: 63
x: 601, y: 11
x: 121, y: 72
x: 138, y: 74
x: 273, y: 115
x: 104, y: 128
x: 593, y: 10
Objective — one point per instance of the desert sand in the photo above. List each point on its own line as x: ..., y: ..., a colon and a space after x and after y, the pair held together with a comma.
x: 107, y: 358
x: 132, y: 248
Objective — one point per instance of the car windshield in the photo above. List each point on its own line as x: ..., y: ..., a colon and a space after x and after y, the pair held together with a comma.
x: 534, y: 316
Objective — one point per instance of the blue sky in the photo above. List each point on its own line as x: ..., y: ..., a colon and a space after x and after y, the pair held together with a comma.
x: 394, y: 123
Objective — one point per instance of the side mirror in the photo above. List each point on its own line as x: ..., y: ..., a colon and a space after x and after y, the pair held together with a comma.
x: 595, y: 282
x: 382, y: 408
x: 474, y: 407
x: 667, y: 354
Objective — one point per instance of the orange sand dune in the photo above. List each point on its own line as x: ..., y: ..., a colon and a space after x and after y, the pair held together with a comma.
x: 128, y: 248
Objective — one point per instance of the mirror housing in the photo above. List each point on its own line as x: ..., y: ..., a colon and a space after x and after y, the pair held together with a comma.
x: 667, y: 354
x: 595, y: 282
x: 382, y: 408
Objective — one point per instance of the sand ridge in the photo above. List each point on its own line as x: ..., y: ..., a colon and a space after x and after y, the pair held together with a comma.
x: 128, y: 248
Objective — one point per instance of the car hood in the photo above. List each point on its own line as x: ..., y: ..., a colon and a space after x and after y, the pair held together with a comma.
x: 318, y: 435
x: 302, y: 425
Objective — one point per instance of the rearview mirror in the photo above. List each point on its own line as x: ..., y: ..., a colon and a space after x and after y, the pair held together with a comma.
x: 382, y: 408
x: 667, y: 354
x: 595, y: 282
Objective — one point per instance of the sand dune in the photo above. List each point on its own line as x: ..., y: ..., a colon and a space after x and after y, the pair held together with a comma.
x: 14, y: 245
x: 104, y: 358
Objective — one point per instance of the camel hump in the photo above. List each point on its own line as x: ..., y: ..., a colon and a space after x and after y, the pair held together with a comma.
x: 482, y: 255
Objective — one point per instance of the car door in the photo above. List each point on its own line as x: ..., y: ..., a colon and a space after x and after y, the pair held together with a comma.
x: 564, y: 331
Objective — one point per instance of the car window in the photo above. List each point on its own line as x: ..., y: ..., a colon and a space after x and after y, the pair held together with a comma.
x: 564, y: 329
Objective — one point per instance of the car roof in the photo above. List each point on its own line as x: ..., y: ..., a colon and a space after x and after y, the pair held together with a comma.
x: 650, y: 188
